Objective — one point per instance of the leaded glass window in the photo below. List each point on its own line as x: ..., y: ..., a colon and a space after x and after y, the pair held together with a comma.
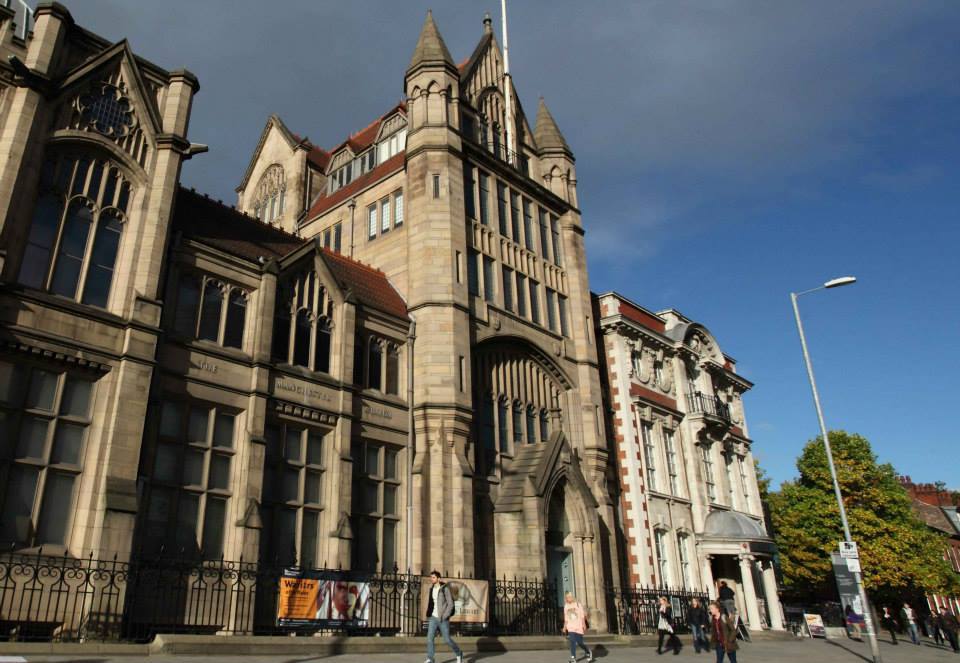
x: 76, y: 230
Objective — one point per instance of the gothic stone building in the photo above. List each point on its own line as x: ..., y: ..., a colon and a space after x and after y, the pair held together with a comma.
x: 691, y: 511
x: 384, y: 356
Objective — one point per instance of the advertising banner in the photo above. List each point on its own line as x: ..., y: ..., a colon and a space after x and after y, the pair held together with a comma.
x: 846, y: 583
x: 469, y: 598
x: 325, y: 599
x: 815, y: 625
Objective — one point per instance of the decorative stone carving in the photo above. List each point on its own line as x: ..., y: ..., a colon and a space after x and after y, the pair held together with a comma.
x: 666, y: 372
x: 106, y: 110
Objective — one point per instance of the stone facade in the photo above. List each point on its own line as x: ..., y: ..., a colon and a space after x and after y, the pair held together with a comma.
x: 384, y: 357
x: 689, y: 504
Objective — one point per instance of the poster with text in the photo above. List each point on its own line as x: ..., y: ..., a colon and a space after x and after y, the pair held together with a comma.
x: 815, y: 625
x: 325, y: 599
x: 469, y: 599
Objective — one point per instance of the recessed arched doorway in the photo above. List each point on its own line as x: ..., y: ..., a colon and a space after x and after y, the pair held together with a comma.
x: 559, y: 544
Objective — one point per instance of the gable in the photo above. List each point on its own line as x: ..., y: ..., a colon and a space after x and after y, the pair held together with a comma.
x: 273, y: 130
x: 109, y: 97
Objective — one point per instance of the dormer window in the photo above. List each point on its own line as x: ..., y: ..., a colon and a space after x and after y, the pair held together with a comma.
x: 391, y: 145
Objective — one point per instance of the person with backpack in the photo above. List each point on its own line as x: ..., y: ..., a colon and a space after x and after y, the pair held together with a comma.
x: 723, y: 633
x: 440, y: 609
x: 575, y: 624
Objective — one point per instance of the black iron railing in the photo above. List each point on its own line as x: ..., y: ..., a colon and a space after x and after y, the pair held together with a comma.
x: 635, y: 610
x: 700, y: 403
x: 63, y: 599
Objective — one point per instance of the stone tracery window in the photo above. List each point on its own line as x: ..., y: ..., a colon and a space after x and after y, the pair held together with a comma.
x: 271, y: 191
x: 105, y: 107
x: 303, y: 324
x: 210, y: 310
x: 76, y: 230
x: 107, y: 110
x: 518, y: 402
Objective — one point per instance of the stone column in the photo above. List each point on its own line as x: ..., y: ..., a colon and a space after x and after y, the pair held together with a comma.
x: 706, y: 576
x: 749, y: 591
x: 773, y: 601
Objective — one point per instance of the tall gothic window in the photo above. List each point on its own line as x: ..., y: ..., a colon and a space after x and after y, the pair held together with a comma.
x: 303, y: 326
x: 190, y: 479
x: 210, y: 310
x: 292, y: 494
x: 376, y: 506
x: 44, y: 418
x: 271, y: 191
x: 515, y: 395
x: 77, y: 225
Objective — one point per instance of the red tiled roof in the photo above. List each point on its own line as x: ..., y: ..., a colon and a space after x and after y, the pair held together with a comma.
x: 364, y: 138
x: 327, y: 202
x: 370, y: 286
x: 211, y: 222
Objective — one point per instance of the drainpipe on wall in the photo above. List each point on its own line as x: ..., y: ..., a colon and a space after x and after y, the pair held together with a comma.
x: 411, y: 440
x: 352, y: 205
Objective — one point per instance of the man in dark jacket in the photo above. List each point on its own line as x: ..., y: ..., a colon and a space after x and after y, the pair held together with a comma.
x: 439, y: 611
x: 723, y: 633
x: 947, y: 622
x: 697, y: 620
x: 727, y: 598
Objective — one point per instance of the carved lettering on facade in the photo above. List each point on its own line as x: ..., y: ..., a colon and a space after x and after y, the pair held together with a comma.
x: 205, y: 365
x: 301, y: 389
x: 376, y: 411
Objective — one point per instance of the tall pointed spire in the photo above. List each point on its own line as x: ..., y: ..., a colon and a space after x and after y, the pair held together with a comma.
x: 430, y: 47
x: 547, y: 134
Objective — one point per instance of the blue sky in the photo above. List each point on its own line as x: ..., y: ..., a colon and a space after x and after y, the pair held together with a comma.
x: 727, y: 153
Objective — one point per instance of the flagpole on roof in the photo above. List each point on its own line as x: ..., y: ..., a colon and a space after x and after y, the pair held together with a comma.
x: 507, y: 83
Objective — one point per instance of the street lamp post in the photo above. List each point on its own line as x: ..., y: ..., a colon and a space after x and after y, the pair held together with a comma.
x: 867, y: 616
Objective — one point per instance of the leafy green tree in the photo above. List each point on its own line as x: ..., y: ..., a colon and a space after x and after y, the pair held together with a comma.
x: 901, y: 557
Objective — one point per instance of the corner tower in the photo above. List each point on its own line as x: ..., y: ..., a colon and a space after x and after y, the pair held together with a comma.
x: 438, y: 303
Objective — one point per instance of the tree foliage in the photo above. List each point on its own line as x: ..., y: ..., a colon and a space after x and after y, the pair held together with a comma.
x: 899, y: 554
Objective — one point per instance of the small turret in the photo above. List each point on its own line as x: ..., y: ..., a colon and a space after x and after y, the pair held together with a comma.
x: 432, y: 83
x: 430, y: 49
x: 556, y: 157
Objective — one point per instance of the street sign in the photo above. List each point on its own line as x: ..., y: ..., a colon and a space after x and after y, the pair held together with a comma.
x: 848, y: 550
x: 853, y: 565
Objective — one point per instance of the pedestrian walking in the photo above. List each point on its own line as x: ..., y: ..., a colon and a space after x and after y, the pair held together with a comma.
x: 575, y: 623
x: 665, y: 627
x: 933, y: 629
x: 727, y: 598
x: 947, y: 621
x: 853, y: 621
x: 888, y: 622
x: 697, y: 620
x: 723, y: 633
x: 440, y: 609
x: 909, y: 620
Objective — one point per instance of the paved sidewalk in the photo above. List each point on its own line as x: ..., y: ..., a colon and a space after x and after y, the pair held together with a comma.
x: 799, y: 651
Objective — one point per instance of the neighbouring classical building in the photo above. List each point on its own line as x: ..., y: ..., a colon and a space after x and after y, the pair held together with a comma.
x: 939, y: 508
x: 384, y: 356
x: 689, y: 505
